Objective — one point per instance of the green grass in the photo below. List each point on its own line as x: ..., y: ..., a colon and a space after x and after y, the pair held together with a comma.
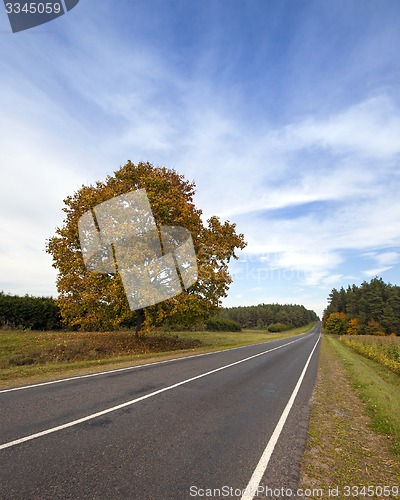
x: 378, y: 387
x: 27, y: 356
x: 225, y: 340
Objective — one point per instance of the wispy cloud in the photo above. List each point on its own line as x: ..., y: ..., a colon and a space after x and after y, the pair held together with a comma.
x: 369, y: 129
x: 383, y: 260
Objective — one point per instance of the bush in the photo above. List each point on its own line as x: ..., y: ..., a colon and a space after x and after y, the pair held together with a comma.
x: 279, y: 327
x: 336, y: 323
x: 29, y: 313
x: 222, y: 325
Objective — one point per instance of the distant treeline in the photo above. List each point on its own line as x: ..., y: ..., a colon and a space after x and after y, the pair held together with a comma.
x: 42, y: 313
x: 275, y: 316
x: 29, y: 313
x: 369, y: 309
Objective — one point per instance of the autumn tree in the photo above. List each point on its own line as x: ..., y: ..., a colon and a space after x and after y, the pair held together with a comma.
x: 353, y: 327
x: 335, y: 323
x: 96, y: 301
x: 374, y: 328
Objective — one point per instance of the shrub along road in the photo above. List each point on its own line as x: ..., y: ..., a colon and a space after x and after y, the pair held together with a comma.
x: 169, y: 430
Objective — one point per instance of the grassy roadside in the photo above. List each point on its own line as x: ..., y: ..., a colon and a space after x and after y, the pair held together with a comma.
x: 383, y: 350
x: 379, y: 389
x: 354, y: 425
x: 30, y: 357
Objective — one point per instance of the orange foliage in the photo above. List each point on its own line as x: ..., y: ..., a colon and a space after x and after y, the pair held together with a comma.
x: 353, y: 327
x: 374, y: 328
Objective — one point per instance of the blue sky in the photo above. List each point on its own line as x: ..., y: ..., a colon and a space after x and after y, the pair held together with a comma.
x: 284, y: 113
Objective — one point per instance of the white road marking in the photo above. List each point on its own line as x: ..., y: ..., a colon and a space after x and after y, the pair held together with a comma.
x: 109, y: 372
x: 137, y: 400
x: 251, y: 489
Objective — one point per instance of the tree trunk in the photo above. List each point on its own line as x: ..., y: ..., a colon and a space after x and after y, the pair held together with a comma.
x: 140, y: 317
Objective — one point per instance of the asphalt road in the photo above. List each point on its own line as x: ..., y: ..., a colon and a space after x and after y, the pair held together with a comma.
x: 189, y: 428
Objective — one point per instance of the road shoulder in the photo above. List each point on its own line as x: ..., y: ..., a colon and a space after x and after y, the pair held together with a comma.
x: 342, y: 449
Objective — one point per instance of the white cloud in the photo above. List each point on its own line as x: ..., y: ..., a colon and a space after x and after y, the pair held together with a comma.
x: 359, y: 182
x: 383, y: 260
x: 369, y: 129
x: 36, y: 175
x: 370, y: 273
x: 311, y: 267
x: 388, y: 258
x: 348, y: 157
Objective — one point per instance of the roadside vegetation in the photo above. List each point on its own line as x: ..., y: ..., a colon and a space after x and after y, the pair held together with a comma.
x: 354, y: 430
x: 383, y: 350
x: 378, y: 388
x: 29, y: 313
x: 27, y: 354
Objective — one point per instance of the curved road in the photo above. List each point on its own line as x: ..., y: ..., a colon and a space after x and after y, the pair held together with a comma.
x: 194, y: 427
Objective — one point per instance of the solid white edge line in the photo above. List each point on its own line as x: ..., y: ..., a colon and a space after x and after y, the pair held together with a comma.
x: 137, y: 400
x: 128, y: 368
x: 252, y: 487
